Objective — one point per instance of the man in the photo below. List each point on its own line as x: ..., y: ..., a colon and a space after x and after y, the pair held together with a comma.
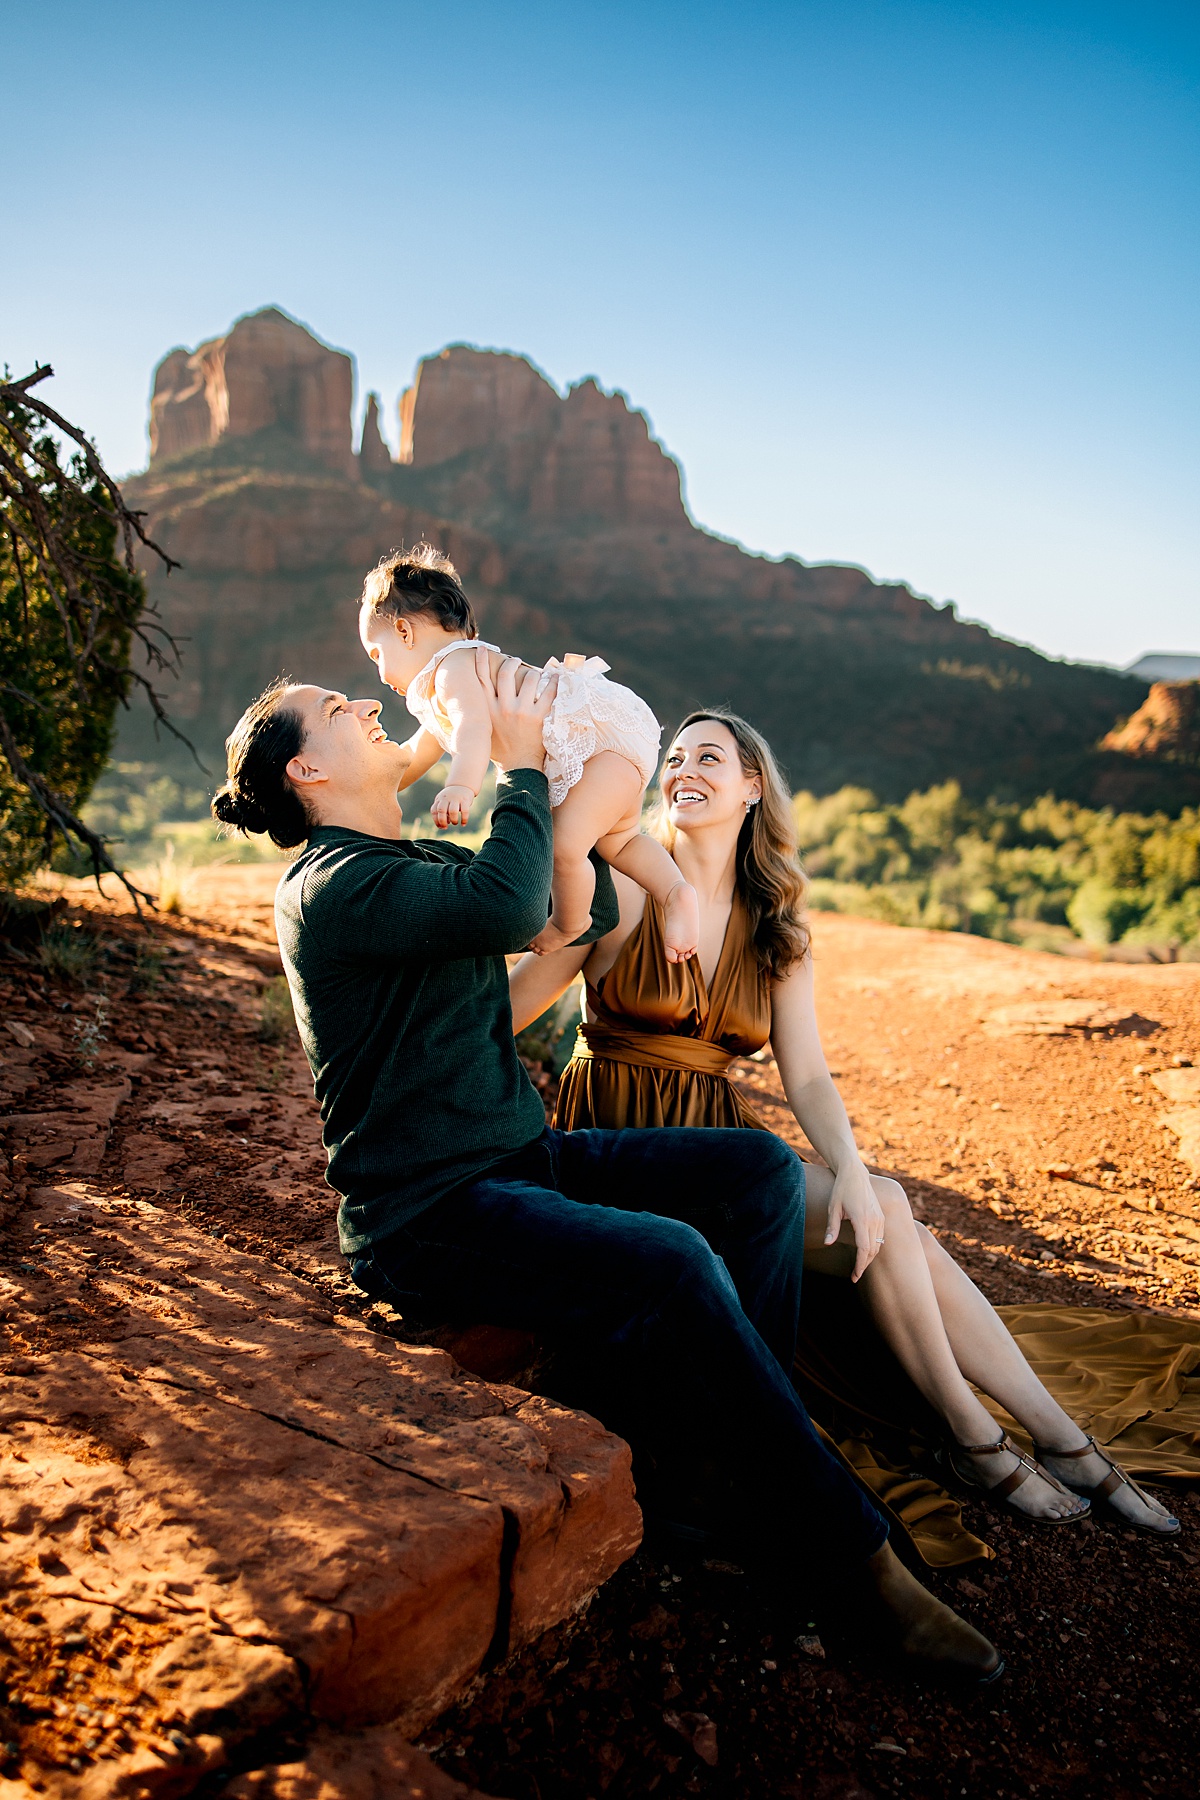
x: 671, y: 1257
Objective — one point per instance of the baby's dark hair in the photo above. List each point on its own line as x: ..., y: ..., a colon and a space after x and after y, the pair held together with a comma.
x: 406, y: 583
x: 257, y: 795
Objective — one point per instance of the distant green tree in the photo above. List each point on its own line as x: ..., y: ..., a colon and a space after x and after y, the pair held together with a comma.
x: 1002, y: 869
x: 73, y: 612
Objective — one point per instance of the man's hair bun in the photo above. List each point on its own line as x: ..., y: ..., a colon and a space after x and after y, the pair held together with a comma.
x: 258, y: 795
x: 238, y: 810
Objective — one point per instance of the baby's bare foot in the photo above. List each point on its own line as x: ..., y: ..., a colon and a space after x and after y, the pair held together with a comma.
x: 556, y: 937
x: 681, y: 922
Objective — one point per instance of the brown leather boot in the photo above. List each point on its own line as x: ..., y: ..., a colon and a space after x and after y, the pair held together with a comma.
x: 925, y: 1630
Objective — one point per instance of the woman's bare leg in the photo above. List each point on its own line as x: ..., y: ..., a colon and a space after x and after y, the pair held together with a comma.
x: 899, y: 1291
x: 987, y: 1354
x: 962, y: 1339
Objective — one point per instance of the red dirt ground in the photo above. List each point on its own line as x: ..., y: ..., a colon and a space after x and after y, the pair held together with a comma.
x: 1011, y: 1092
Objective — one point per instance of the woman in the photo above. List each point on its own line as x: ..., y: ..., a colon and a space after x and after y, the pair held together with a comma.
x: 654, y: 1050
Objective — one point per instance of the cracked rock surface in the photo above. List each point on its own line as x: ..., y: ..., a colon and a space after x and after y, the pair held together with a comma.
x: 236, y: 1480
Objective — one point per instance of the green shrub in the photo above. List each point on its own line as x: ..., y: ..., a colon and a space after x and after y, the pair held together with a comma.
x: 1030, y: 874
x: 72, y: 609
x: 276, y: 1019
x: 90, y: 1033
x: 144, y: 810
x: 1102, y: 913
x: 149, y: 966
x: 69, y: 951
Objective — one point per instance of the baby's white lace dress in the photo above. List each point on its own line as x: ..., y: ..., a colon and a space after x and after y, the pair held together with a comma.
x: 590, y: 713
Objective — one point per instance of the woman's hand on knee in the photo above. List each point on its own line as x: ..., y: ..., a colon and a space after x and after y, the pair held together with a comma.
x: 855, y: 1203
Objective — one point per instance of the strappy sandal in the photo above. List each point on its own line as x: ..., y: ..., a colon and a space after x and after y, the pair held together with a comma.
x: 1101, y: 1494
x: 1004, y: 1489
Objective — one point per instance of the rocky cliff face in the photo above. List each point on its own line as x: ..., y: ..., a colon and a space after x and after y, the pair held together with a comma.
x: 1166, y: 725
x: 588, y: 456
x: 267, y: 372
x: 566, y: 520
x: 373, y: 453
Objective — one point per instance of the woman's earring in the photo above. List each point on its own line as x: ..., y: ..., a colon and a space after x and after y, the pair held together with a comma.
x: 753, y: 801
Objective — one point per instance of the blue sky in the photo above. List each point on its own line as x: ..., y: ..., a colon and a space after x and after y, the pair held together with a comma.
x: 913, y: 286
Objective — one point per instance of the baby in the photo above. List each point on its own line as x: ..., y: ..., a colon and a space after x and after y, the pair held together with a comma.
x: 417, y: 626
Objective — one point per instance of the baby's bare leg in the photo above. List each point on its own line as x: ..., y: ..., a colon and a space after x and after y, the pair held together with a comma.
x: 651, y: 865
x: 604, y: 798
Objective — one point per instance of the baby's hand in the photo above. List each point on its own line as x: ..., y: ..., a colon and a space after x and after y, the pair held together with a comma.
x: 452, y: 806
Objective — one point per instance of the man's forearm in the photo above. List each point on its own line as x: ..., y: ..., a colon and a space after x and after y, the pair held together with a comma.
x: 457, y: 903
x: 510, y: 873
x: 606, y: 911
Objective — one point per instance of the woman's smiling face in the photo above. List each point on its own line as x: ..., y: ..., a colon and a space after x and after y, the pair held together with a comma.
x: 703, y: 782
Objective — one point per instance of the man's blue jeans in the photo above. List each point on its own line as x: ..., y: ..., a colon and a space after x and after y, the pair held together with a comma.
x: 665, y: 1264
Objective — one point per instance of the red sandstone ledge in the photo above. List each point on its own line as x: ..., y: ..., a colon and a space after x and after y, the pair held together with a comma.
x: 239, y: 1510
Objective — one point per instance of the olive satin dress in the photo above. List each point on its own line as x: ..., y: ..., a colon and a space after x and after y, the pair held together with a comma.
x: 657, y: 1051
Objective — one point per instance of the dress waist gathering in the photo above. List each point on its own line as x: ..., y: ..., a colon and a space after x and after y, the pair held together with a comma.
x: 651, y: 1050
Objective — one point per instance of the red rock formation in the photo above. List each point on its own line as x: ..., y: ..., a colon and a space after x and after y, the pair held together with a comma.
x: 589, y: 455
x: 604, y: 464
x: 464, y: 399
x: 566, y: 520
x: 1166, y: 725
x: 267, y: 371
x: 373, y: 453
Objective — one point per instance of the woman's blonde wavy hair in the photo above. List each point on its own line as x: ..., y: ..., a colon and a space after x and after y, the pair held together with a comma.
x: 771, y: 882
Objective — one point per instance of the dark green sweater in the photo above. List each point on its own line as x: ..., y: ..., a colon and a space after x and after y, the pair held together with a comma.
x: 394, y: 953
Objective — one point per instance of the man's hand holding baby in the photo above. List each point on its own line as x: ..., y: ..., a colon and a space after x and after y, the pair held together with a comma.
x: 517, y: 710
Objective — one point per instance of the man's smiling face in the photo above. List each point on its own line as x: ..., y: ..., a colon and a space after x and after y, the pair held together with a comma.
x: 346, y: 750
